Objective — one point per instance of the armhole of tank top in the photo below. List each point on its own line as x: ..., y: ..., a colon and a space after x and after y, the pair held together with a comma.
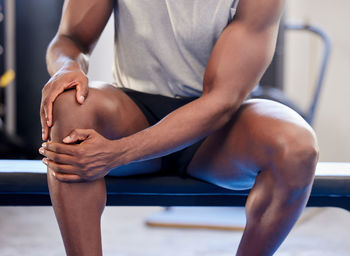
x: 232, y: 13
x: 233, y: 9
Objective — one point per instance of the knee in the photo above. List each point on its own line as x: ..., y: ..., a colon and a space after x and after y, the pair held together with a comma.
x: 295, y: 157
x: 65, y: 115
x: 68, y: 115
x: 100, y: 111
x: 64, y: 105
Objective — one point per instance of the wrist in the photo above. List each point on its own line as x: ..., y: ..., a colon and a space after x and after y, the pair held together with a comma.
x: 71, y: 65
x: 121, y: 151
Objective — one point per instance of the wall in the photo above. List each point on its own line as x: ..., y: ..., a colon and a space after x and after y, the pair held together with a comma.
x: 101, y: 61
x: 332, y: 123
x: 36, y: 25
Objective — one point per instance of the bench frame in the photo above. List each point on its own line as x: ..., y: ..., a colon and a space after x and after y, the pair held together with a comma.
x: 29, y: 188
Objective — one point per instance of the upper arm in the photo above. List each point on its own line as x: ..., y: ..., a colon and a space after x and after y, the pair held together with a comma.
x: 259, y: 15
x: 244, y: 50
x: 84, y: 20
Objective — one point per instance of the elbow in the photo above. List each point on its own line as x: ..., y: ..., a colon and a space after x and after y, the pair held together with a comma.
x: 228, y: 110
x: 226, y: 114
x: 225, y: 109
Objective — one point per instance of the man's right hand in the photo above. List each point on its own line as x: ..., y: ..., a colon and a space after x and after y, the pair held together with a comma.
x: 67, y: 77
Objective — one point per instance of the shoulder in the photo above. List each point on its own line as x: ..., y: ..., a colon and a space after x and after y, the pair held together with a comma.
x: 259, y: 14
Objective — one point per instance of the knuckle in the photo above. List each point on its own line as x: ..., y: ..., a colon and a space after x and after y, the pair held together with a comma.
x: 78, y: 153
x: 45, y: 102
x: 52, y: 147
x: 52, y: 157
x: 81, y: 164
x: 87, y: 174
x: 43, y: 123
x: 85, y: 177
x: 49, y: 146
x: 45, y: 88
x: 57, y: 158
x: 90, y: 177
x: 74, y: 132
x: 84, y: 79
x: 51, y: 165
x: 61, y: 178
x: 55, y: 167
x: 42, y: 113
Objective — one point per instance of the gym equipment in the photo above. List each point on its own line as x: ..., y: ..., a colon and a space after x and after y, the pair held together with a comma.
x: 272, y: 93
x: 7, y: 78
x: 11, y: 146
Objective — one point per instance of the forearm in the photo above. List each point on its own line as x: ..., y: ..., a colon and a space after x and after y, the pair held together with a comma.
x: 177, y: 130
x: 63, y: 51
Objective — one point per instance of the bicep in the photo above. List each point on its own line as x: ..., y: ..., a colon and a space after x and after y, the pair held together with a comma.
x: 259, y: 15
x: 84, y: 20
x: 244, y: 49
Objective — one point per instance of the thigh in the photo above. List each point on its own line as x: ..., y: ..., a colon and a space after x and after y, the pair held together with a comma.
x: 110, y: 112
x: 116, y: 114
x: 234, y: 155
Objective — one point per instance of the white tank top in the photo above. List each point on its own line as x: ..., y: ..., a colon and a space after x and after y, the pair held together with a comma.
x: 163, y: 46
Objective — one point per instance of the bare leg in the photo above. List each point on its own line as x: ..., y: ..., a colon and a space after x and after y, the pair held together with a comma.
x: 271, y: 146
x: 79, y: 206
x: 274, y: 205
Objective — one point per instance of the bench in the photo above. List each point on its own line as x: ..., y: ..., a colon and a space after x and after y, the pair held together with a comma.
x: 23, y: 183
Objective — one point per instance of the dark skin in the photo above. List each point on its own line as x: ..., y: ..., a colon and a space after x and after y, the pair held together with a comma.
x: 263, y: 144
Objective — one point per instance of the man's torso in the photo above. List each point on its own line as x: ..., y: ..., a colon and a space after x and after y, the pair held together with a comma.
x: 163, y: 46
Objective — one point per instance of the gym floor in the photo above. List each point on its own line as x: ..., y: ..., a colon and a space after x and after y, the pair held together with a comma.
x: 32, y: 231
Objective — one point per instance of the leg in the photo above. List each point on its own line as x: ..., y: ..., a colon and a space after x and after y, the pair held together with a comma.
x: 267, y: 146
x: 79, y: 206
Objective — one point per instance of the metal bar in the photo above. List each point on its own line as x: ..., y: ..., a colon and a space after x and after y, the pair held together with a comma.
x: 10, y: 63
x: 322, y: 70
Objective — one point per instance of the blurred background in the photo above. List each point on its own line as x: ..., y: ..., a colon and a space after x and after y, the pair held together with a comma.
x: 26, y: 28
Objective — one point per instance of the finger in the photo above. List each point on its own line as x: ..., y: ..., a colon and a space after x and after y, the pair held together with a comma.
x: 44, y: 127
x: 59, y: 168
x: 58, y: 158
x: 48, y: 110
x: 68, y: 178
x: 48, y: 102
x: 82, y: 92
x: 78, y: 135
x: 60, y: 148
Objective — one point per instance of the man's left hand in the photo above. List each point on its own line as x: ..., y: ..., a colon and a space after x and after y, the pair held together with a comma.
x: 84, y: 156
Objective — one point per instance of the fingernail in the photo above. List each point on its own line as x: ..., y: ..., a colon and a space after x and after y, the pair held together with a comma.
x: 44, y: 145
x: 67, y: 139
x: 45, y: 160
x: 81, y: 98
x: 41, y: 151
x: 53, y: 173
x: 47, y: 122
x: 42, y: 136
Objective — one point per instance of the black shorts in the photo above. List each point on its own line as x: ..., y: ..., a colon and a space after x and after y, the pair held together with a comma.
x: 156, y: 107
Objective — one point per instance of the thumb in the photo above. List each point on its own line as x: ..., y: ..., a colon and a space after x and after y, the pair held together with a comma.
x: 78, y: 135
x: 82, y: 92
